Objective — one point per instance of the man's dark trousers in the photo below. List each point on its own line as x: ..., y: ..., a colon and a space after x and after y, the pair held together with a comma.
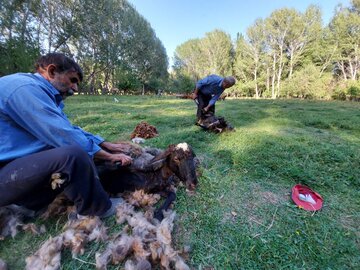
x: 26, y: 181
x: 203, y: 102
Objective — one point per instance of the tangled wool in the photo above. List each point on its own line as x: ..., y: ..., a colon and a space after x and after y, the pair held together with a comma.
x: 144, y: 130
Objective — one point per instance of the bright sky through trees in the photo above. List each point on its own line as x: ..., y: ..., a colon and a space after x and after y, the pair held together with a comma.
x: 176, y: 21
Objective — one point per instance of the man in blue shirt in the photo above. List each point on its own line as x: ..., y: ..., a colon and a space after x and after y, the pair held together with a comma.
x: 37, y: 140
x: 207, y: 92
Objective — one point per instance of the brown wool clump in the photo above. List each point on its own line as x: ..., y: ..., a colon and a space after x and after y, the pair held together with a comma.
x: 141, y: 199
x: 123, y: 212
x: 121, y: 247
x: 163, y: 231
x: 75, y: 240
x: 139, y: 249
x: 144, y: 130
x: 60, y: 206
x: 140, y: 265
x: 12, y: 219
x: 31, y: 227
x: 48, y: 256
x: 156, y: 251
x: 103, y: 259
x: 81, y: 231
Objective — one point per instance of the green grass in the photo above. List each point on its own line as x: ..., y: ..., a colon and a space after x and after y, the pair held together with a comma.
x: 242, y: 216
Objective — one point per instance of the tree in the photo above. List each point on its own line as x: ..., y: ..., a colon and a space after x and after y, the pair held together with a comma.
x: 18, y: 45
x: 197, y: 58
x: 188, y: 59
x: 345, y: 29
x: 249, y: 56
x: 304, y: 30
x: 276, y: 28
x: 216, y: 47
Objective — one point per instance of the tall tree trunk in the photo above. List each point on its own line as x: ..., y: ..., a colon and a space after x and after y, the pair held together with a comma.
x: 291, y: 65
x: 23, y: 24
x: 256, y: 84
x: 51, y: 26
x: 267, y: 78
x: 342, y: 67
x: 273, y: 96
x: 281, y: 66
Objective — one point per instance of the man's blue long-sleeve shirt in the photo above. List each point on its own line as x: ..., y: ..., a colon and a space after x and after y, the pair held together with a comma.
x: 32, y: 119
x: 211, y: 86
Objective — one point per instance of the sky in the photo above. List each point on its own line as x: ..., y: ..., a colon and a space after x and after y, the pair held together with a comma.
x: 177, y: 21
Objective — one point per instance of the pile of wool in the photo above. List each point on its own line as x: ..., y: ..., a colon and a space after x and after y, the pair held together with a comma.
x: 144, y: 130
x: 12, y: 219
x: 142, y: 243
x: 77, y: 233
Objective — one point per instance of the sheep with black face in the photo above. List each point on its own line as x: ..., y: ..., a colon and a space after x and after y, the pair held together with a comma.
x: 216, y: 124
x: 154, y: 171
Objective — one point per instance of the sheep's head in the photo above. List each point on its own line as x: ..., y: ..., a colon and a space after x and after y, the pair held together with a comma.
x: 181, y: 161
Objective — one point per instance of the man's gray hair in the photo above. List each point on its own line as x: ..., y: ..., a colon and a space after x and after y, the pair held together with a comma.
x: 230, y: 79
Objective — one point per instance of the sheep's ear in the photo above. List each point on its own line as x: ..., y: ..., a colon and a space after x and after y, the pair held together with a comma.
x: 157, y: 165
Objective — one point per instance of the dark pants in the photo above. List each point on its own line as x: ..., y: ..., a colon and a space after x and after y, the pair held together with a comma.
x: 26, y: 181
x: 203, y: 101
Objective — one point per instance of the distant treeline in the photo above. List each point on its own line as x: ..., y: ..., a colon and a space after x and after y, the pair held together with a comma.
x: 288, y: 54
x: 114, y: 44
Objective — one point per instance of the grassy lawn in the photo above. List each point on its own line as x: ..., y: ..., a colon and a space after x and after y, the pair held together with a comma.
x: 242, y: 216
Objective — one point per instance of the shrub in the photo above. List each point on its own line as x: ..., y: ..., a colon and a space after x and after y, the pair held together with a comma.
x: 354, y: 92
x: 308, y: 84
x: 349, y: 90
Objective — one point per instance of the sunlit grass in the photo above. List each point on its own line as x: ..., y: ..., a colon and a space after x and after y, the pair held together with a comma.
x: 242, y: 216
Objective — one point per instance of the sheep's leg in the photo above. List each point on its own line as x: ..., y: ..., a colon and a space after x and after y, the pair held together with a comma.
x: 171, y: 197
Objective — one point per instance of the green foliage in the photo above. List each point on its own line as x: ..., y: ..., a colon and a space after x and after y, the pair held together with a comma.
x: 188, y: 59
x: 347, y: 91
x: 345, y: 29
x: 284, y: 45
x: 120, y: 52
x: 125, y: 81
x: 17, y: 56
x: 307, y: 84
x: 18, y: 37
x: 211, y: 54
x: 181, y: 84
x: 354, y: 92
x: 339, y: 94
x: 104, y: 37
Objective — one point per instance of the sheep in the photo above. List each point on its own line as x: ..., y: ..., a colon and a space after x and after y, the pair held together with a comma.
x: 214, y: 123
x: 154, y: 171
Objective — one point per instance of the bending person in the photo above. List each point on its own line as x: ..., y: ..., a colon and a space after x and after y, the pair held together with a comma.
x: 207, y: 92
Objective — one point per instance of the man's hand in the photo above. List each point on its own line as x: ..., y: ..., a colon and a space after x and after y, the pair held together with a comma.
x: 206, y: 109
x: 104, y: 155
x: 124, y: 159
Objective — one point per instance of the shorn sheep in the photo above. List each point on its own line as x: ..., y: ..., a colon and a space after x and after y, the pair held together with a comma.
x: 154, y: 171
x: 213, y: 123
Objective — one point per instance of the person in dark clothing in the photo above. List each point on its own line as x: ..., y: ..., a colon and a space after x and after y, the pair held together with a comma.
x: 207, y: 92
x: 37, y: 140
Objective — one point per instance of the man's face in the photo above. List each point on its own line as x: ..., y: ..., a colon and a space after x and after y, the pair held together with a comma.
x: 226, y: 84
x: 66, y: 82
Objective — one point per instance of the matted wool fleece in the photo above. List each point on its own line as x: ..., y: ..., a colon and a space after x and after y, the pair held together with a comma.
x: 144, y: 130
